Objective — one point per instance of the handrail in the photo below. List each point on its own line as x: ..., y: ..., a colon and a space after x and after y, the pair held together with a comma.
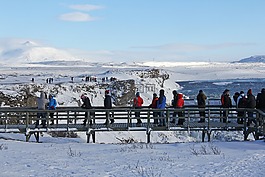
x: 25, y: 117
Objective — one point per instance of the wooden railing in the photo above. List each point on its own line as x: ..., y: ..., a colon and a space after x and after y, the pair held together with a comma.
x: 69, y: 119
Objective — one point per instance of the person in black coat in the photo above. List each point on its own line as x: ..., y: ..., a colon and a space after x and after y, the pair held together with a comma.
x: 108, y: 105
x: 201, y: 101
x: 86, y: 105
x: 251, y: 103
x: 260, y: 102
x: 174, y: 105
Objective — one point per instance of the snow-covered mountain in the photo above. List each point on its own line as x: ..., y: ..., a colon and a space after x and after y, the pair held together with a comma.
x: 253, y: 59
x: 26, y: 51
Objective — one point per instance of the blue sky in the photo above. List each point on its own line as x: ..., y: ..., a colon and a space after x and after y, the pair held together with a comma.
x: 137, y: 30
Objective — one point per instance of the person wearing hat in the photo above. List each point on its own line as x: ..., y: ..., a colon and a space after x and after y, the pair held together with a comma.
x: 226, y: 103
x: 154, y: 106
x: 86, y: 105
x: 52, y: 106
x: 137, y: 104
x: 108, y: 105
x: 201, y: 101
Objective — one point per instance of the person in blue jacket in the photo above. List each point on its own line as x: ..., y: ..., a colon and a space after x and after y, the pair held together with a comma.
x: 161, y: 104
x: 52, y: 106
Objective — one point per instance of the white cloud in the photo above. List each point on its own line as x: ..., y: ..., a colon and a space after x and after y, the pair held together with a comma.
x: 77, y: 17
x: 86, y: 7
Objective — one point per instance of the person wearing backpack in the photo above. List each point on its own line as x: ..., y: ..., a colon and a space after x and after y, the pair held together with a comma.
x: 242, y: 103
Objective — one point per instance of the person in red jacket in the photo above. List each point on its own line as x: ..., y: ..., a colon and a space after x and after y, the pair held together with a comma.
x: 180, y: 104
x: 154, y: 106
x: 137, y: 104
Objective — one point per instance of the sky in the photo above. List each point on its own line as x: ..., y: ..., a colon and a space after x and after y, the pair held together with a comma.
x: 137, y: 30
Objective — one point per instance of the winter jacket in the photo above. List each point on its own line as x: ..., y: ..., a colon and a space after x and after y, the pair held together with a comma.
x: 42, y: 101
x: 180, y: 102
x: 251, y: 102
x: 201, y: 100
x: 174, y: 101
x: 154, y: 103
x: 261, y: 101
x: 108, y: 102
x: 52, y: 103
x: 161, y: 103
x: 242, y: 101
x: 226, y: 101
x: 137, y: 102
x: 86, y: 103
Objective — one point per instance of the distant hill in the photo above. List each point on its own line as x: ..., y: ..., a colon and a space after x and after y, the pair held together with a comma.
x: 252, y: 59
x: 19, y: 51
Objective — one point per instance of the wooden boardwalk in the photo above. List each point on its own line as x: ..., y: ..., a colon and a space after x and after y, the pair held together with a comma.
x: 70, y: 119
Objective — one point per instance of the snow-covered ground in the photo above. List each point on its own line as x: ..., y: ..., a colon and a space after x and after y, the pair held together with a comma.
x: 73, y: 157
x: 226, y: 155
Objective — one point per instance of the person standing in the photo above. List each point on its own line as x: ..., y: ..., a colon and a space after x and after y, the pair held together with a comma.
x: 241, y: 103
x: 174, y: 105
x: 137, y: 104
x: 52, y: 106
x: 260, y: 101
x: 108, y: 105
x: 86, y: 105
x: 180, y: 104
x: 226, y: 103
x: 161, y: 104
x: 41, y: 103
x: 154, y: 106
x: 251, y: 103
x: 201, y: 101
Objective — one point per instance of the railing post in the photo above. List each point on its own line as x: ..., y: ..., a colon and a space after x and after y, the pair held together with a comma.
x: 167, y: 119
x: 6, y: 121
x: 245, y: 126
x: 67, y: 122
x: 27, y: 133
x: 188, y: 122
x: 148, y: 126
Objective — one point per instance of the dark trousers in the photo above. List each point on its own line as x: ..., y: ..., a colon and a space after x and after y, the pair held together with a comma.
x: 155, y: 115
x: 109, y: 116
x: 42, y: 116
x: 162, y: 120
x: 86, y: 117
x: 137, y: 114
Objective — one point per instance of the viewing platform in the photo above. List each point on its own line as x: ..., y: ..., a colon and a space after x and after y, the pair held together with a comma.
x: 70, y: 119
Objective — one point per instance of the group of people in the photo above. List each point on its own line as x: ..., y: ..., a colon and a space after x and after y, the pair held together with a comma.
x: 43, y: 103
x: 243, y: 101
x: 159, y: 104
